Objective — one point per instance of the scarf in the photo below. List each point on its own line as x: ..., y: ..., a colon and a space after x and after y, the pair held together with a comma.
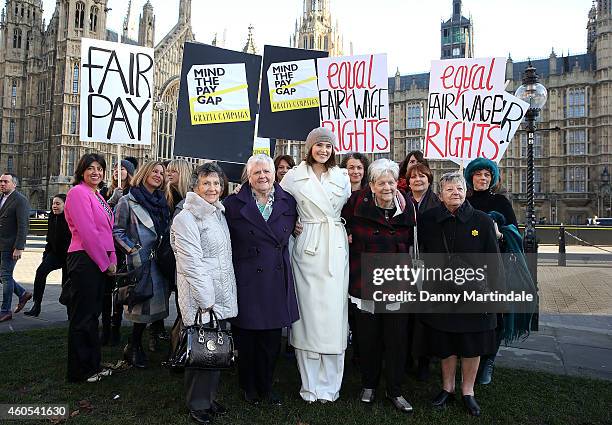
x: 155, y: 204
x: 515, y: 325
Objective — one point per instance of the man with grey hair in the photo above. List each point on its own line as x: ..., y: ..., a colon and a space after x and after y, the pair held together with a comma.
x: 14, y: 220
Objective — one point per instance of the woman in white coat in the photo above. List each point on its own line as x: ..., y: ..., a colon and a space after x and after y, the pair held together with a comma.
x: 320, y: 267
x: 205, y: 276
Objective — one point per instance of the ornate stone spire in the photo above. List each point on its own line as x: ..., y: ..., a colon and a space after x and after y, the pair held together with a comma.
x: 249, y: 47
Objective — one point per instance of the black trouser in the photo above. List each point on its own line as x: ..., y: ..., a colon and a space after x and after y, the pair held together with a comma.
x: 352, y: 312
x: 201, y: 385
x: 382, y: 337
x: 86, y: 290
x: 50, y: 262
x: 257, y: 354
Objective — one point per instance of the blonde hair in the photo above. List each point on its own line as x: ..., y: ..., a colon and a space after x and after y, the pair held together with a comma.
x: 144, y: 171
x: 185, y: 170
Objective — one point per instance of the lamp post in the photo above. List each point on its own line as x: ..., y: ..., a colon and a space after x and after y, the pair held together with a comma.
x: 535, y: 94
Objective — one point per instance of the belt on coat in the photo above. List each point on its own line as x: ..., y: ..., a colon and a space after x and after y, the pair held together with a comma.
x: 312, y: 244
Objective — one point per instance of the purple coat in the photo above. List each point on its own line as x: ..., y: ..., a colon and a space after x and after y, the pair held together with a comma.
x: 266, y: 295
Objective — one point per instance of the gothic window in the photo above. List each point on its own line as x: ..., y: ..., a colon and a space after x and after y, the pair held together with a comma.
x: 14, y: 94
x: 576, y: 103
x: 537, y: 145
x: 93, y: 19
x: 414, y: 116
x: 28, y: 12
x: 75, y: 79
x: 576, y: 142
x: 28, y: 39
x: 166, y: 123
x: 537, y: 180
x: 575, y: 179
x: 22, y: 7
x: 79, y: 16
x: 70, y: 162
x: 16, y: 9
x: 326, y: 45
x: 414, y: 144
x: 17, y: 38
x: 11, y: 137
x: 73, y: 120
x: 9, y: 164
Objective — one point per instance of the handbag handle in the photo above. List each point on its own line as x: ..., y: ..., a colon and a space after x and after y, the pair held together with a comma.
x: 214, y: 320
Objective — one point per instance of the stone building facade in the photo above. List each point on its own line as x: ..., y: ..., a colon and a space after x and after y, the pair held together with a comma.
x: 572, y: 149
x: 40, y: 89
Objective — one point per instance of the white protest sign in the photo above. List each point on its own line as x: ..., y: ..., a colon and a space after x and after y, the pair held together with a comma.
x: 218, y: 93
x: 469, y: 112
x: 116, y: 92
x: 354, y: 97
x: 293, y: 85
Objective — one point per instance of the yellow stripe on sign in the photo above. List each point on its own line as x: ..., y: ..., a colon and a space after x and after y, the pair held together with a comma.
x: 297, y: 83
x: 192, y: 100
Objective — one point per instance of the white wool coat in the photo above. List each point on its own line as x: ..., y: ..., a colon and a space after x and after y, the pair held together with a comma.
x: 204, y: 270
x: 320, y: 259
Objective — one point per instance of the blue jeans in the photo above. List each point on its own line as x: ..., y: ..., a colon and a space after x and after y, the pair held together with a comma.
x: 9, y: 286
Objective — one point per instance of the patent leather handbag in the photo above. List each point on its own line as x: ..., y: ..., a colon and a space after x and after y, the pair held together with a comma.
x: 208, y: 346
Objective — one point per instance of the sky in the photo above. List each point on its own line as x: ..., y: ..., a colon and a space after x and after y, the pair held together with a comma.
x: 407, y: 30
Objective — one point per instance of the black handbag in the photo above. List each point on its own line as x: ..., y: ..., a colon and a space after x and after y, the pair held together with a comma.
x: 134, y: 287
x: 164, y: 258
x: 209, y: 348
x: 178, y: 347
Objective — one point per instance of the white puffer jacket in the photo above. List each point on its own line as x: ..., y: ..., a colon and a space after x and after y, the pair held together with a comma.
x: 204, y: 271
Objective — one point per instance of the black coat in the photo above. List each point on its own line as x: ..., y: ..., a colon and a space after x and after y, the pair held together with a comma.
x: 372, y: 233
x: 470, y: 232
x: 487, y: 201
x: 428, y: 201
x: 58, y: 236
x: 14, y: 222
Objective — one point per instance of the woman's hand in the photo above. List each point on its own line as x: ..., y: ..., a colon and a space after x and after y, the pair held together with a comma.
x: 497, y: 232
x: 299, y: 228
x: 112, y: 269
x: 350, y: 238
x: 237, y: 189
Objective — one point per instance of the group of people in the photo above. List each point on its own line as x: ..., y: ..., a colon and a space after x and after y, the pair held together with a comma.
x: 283, y: 250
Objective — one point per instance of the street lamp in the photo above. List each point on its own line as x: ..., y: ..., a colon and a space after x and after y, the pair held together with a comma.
x: 535, y: 94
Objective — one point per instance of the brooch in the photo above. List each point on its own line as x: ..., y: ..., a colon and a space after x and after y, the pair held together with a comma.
x: 474, y: 232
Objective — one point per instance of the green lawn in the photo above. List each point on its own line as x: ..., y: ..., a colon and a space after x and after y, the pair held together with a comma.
x: 34, y: 369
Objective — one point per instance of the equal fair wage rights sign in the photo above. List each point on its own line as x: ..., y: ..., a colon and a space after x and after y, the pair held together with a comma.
x: 354, y: 101
x: 469, y: 113
x: 116, y: 92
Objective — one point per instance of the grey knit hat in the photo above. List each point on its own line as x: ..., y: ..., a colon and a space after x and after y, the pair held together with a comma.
x: 320, y: 134
x: 129, y: 167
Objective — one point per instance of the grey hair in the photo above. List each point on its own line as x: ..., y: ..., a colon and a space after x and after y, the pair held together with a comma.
x: 452, y: 177
x: 14, y: 178
x: 259, y: 158
x: 382, y: 166
x: 203, y: 171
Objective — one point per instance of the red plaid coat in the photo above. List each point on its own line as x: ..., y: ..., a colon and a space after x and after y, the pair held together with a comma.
x: 372, y: 233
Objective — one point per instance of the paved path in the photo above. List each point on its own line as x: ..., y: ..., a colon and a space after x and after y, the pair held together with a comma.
x: 575, y: 336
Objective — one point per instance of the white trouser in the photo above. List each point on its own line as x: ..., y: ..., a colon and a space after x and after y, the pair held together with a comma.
x: 321, y: 375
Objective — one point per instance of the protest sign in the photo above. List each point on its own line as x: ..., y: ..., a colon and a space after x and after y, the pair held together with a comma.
x: 293, y: 85
x: 290, y: 97
x: 116, y: 92
x: 354, y: 101
x: 218, y: 93
x: 470, y: 114
x: 220, y: 123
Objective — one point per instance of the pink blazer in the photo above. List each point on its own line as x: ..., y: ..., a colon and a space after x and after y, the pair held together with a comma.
x: 90, y: 225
